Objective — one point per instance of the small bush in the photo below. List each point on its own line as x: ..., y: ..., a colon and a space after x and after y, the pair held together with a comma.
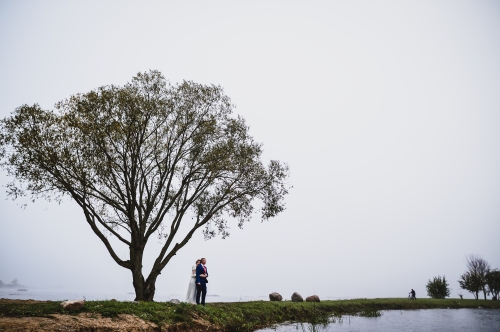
x: 438, y: 288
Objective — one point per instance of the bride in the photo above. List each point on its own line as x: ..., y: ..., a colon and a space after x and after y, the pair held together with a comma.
x: 191, y: 293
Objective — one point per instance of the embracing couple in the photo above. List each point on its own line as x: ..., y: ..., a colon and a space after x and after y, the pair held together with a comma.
x: 198, y: 283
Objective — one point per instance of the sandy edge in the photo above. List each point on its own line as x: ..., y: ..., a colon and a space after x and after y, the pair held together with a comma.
x: 94, y: 322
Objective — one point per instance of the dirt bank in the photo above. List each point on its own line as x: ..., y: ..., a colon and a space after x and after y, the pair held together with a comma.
x: 95, y: 323
x: 81, y: 322
x: 90, y: 322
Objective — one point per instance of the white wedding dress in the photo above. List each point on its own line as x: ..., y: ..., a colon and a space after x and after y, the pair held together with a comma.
x: 191, y: 293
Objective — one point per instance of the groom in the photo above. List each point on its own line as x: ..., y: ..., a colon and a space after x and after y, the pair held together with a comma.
x: 201, y: 282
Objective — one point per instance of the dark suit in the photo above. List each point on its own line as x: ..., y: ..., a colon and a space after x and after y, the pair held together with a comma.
x: 201, y: 284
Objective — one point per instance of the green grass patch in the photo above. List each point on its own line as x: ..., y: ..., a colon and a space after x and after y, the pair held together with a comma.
x: 240, y: 316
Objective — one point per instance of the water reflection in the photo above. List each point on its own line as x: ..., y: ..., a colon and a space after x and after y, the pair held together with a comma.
x: 445, y: 320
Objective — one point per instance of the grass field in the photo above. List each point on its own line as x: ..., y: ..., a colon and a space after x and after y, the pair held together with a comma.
x: 238, y: 316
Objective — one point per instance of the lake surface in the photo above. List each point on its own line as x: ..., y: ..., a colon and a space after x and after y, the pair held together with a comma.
x: 59, y: 294
x: 442, y: 320
x: 55, y: 294
x: 46, y: 294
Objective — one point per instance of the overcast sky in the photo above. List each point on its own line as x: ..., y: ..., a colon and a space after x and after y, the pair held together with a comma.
x: 387, y: 112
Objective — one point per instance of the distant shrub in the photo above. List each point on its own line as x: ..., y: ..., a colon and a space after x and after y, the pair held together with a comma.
x: 438, y: 288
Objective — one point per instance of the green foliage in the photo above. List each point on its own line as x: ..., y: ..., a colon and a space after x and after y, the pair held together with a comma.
x: 438, y: 288
x: 493, y: 282
x: 15, y: 308
x: 471, y: 282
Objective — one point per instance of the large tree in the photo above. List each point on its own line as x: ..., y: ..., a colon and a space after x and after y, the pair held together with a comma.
x: 471, y: 283
x: 474, y: 279
x: 140, y: 160
x: 493, y: 281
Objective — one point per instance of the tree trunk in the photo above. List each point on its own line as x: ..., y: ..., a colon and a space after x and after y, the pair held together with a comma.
x: 150, y: 288
x: 138, y: 281
x: 484, y: 292
x: 144, y: 289
x: 477, y: 295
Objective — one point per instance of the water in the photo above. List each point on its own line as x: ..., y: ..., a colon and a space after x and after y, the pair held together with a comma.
x: 442, y: 320
x: 47, y: 294
x: 58, y: 294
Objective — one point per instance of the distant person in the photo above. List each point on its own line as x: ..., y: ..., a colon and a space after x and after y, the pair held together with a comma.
x: 201, y: 282
x: 191, y: 292
x: 412, y: 295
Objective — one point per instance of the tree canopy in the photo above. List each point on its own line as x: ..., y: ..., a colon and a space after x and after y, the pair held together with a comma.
x: 474, y: 279
x: 141, y: 159
x: 438, y: 288
x: 493, y: 282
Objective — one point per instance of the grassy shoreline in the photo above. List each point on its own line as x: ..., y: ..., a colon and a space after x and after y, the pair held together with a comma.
x: 237, y: 316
